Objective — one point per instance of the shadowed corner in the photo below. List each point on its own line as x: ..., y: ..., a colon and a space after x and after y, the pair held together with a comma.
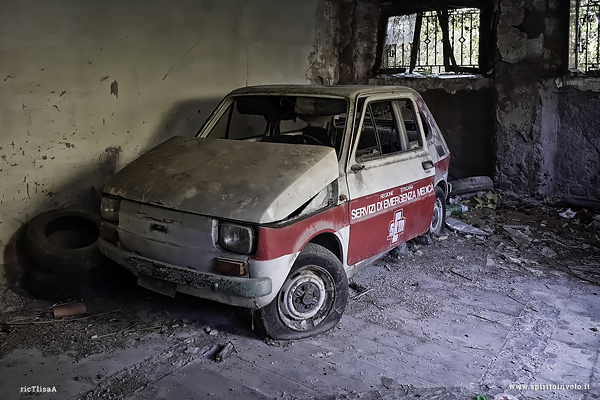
x: 84, y: 187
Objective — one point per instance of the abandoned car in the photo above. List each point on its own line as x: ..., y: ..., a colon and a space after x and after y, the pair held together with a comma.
x: 284, y: 194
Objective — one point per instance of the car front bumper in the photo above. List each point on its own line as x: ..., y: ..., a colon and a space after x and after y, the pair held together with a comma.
x: 239, y: 291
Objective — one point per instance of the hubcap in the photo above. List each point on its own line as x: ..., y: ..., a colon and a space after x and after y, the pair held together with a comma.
x: 306, y: 298
x: 436, y: 219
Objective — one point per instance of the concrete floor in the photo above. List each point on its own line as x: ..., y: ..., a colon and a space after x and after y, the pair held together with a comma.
x: 452, y: 320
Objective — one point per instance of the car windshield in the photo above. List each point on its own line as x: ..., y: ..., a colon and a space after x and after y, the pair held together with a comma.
x: 284, y: 119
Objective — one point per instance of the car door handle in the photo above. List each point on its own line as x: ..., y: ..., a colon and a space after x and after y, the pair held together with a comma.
x: 357, y: 167
x: 427, y: 164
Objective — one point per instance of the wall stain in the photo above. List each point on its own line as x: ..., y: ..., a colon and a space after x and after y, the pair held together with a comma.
x: 27, y: 115
x: 104, y: 78
x: 114, y: 89
x: 107, y: 162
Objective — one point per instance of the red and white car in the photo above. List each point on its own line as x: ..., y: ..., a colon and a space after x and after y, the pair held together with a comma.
x: 285, y: 193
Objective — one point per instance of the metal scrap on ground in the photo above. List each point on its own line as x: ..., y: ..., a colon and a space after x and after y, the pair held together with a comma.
x: 461, y: 227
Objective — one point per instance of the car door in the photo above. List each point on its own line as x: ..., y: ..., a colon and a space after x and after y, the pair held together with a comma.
x: 390, y: 177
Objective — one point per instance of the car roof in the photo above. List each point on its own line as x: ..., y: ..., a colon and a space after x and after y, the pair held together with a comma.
x: 349, y: 91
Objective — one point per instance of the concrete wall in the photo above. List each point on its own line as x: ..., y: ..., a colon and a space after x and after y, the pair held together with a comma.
x: 87, y: 86
x: 547, y: 121
x: 576, y: 161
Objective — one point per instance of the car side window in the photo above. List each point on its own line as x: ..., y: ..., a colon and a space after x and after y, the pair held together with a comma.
x: 379, y: 134
x: 409, y: 117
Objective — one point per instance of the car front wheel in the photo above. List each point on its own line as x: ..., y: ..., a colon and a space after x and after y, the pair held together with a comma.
x: 311, y: 300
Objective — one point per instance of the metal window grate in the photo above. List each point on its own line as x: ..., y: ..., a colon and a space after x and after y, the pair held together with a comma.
x: 463, y: 30
x: 585, y: 44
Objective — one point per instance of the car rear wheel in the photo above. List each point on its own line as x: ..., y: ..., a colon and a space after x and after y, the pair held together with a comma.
x: 311, y: 300
x: 439, y: 212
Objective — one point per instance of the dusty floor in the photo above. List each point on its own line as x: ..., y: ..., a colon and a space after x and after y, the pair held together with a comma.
x: 461, y: 317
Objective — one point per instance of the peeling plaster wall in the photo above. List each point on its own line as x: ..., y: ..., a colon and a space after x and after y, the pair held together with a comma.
x: 87, y: 86
x: 577, y: 159
x: 532, y: 37
x: 359, y: 22
x: 547, y: 123
x: 324, y: 59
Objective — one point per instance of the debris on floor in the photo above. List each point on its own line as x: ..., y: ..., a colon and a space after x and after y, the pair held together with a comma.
x: 69, y: 309
x: 456, y: 209
x: 400, y: 251
x: 225, y: 352
x: 466, y: 229
x: 519, y: 234
x: 568, y: 213
x: 487, y: 200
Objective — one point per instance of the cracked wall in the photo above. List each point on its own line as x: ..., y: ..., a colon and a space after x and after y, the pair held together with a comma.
x: 547, y: 141
x: 86, y: 87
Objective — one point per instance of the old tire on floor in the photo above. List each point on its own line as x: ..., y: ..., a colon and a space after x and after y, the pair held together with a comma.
x: 472, y: 184
x: 311, y: 300
x: 64, y: 240
x: 439, y: 212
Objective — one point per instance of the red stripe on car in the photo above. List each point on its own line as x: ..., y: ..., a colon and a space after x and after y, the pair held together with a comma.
x: 274, y: 242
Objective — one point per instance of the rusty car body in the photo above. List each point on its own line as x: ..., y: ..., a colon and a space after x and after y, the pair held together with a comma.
x: 284, y: 193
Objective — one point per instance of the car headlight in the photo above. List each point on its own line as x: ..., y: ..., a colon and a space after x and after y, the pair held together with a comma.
x: 109, y: 208
x: 237, y: 238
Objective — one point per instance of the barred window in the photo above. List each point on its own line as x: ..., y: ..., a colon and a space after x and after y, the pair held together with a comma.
x: 584, y: 54
x: 441, y: 41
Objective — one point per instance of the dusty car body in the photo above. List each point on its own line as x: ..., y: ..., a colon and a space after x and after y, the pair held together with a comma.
x: 284, y: 193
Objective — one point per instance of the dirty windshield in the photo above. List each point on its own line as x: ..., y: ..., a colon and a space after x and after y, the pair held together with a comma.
x: 284, y: 119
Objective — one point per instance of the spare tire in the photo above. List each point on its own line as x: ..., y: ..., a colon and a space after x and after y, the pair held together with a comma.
x: 64, y: 240
x: 472, y: 184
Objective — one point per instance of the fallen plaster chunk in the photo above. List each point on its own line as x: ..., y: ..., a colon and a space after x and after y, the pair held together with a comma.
x: 568, y: 213
x: 461, y: 227
x: 225, y: 352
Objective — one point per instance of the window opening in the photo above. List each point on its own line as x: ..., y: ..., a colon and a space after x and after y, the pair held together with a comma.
x: 445, y: 40
x: 584, y: 36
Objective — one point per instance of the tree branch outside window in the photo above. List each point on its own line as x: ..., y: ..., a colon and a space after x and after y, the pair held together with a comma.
x: 433, y: 42
x: 584, y: 43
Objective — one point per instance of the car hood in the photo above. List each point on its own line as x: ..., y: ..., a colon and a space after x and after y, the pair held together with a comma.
x: 239, y: 180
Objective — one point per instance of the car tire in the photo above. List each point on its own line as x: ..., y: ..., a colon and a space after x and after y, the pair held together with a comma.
x: 470, y: 185
x: 438, y: 219
x: 311, y: 300
x: 64, y: 240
